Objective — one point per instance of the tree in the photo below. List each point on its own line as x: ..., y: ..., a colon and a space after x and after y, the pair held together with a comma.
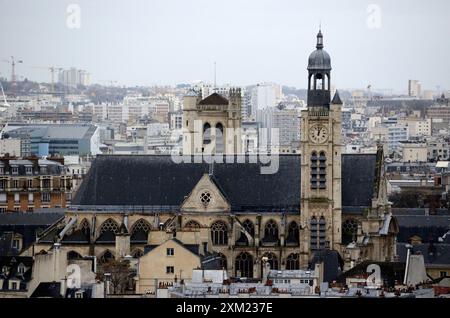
x: 121, y: 275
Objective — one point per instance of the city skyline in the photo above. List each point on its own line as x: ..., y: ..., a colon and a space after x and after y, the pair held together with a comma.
x: 141, y: 43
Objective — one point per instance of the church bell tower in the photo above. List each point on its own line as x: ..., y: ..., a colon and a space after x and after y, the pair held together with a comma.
x: 320, y: 159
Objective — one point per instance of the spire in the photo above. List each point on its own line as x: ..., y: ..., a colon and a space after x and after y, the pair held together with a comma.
x: 319, y: 45
x: 336, y: 99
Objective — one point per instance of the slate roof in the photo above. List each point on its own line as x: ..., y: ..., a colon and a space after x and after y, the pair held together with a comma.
x: 390, y: 272
x: 336, y: 99
x: 26, y: 224
x: 333, y: 263
x: 214, y: 99
x: 428, y: 228
x: 12, y: 263
x: 156, y: 180
x: 433, y: 254
x: 47, y: 290
x: 77, y: 237
x: 18, y: 218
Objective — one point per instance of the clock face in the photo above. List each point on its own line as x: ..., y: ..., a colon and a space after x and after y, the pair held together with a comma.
x: 318, y: 134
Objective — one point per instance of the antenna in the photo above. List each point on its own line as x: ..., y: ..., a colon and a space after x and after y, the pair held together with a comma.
x: 215, y: 75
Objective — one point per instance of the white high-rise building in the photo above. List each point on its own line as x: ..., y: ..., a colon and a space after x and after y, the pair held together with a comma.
x: 74, y: 77
x: 414, y: 88
x: 265, y: 95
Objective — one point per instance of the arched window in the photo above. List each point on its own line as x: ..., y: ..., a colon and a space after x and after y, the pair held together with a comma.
x: 137, y: 253
x: 322, y: 170
x: 272, y: 259
x: 223, y: 261
x: 244, y: 265
x: 349, y: 231
x: 219, y: 138
x: 139, y: 231
x: 319, y: 81
x: 192, y: 224
x: 219, y: 233
x: 271, y: 232
x: 293, y: 237
x: 314, y: 226
x: 314, y: 170
x: 106, y: 257
x: 250, y: 228
x: 206, y: 134
x: 109, y: 226
x: 322, y: 232
x: 73, y: 255
x: 293, y: 262
x: 85, y: 228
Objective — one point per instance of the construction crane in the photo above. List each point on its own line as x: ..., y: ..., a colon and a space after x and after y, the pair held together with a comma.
x: 52, y: 70
x: 13, y: 63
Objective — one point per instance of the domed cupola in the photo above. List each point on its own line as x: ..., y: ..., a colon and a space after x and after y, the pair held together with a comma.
x: 319, y: 75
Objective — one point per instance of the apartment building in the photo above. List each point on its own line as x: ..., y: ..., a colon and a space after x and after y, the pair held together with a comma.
x: 30, y: 183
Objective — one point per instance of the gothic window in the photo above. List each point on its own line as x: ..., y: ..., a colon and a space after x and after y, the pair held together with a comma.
x: 73, y: 255
x: 85, y: 228
x: 109, y: 226
x: 140, y: 230
x: 192, y: 224
x: 272, y: 260
x: 205, y: 198
x: 137, y: 253
x: 244, y: 265
x: 206, y: 134
x: 322, y: 232
x: 223, y: 261
x: 250, y: 228
x: 271, y: 231
x: 314, y: 170
x: 293, y: 237
x: 314, y: 226
x: 293, y: 262
x: 219, y: 138
x: 318, y: 170
x: 349, y: 231
x: 106, y: 257
x: 322, y: 170
x: 219, y: 233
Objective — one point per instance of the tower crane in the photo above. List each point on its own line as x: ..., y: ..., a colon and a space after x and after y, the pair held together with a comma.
x: 52, y: 70
x: 13, y: 63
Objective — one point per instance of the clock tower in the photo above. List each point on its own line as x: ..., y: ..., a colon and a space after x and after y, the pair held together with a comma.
x: 320, y: 160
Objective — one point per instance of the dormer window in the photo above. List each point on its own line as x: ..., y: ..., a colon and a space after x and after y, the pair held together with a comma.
x: 21, y: 269
x: 29, y: 170
x: 2, y: 170
x: 14, y: 170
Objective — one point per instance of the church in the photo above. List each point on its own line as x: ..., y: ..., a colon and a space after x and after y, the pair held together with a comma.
x: 318, y: 200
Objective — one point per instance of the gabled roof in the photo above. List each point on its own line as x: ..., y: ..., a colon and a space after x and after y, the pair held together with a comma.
x: 157, y: 181
x: 193, y: 248
x: 433, y: 254
x: 214, y: 99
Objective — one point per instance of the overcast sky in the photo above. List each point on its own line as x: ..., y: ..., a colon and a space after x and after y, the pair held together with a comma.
x: 151, y: 42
